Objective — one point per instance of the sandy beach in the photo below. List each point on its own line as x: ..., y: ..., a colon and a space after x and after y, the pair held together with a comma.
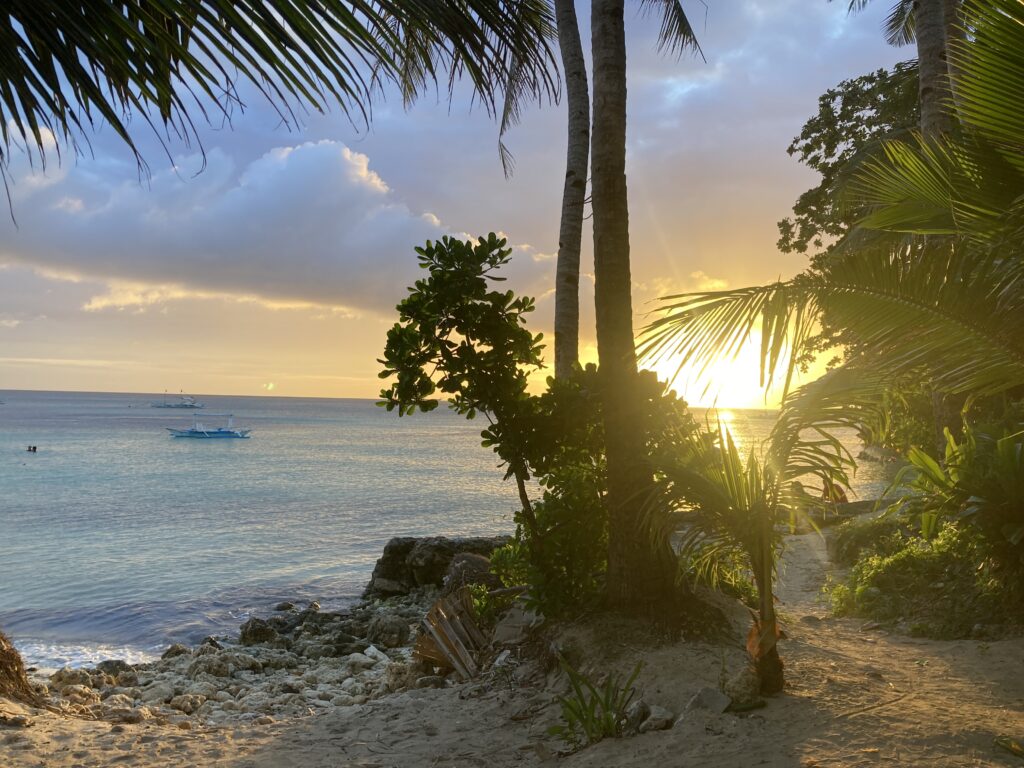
x: 855, y: 697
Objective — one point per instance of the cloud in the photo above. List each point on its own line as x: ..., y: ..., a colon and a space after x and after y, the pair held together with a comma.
x: 310, y: 225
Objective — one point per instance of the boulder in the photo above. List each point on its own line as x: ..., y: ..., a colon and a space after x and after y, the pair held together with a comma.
x: 410, y: 562
x: 468, y: 568
x: 391, y: 574
x: 256, y: 631
x: 175, y: 650
x: 388, y: 630
x: 113, y: 667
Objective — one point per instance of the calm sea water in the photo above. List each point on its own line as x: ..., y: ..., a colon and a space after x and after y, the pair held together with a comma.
x: 116, y: 539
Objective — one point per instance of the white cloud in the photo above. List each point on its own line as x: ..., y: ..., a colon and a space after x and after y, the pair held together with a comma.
x: 298, y: 227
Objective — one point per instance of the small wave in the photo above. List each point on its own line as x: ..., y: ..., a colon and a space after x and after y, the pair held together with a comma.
x: 48, y: 657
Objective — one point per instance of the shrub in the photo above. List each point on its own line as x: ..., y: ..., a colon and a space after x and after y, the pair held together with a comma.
x: 935, y: 587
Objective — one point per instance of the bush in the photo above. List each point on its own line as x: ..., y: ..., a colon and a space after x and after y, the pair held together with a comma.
x: 883, y: 535
x: 938, y: 587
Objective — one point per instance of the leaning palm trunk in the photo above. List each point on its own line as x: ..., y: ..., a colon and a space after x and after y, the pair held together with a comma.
x: 635, y: 578
x: 567, y: 275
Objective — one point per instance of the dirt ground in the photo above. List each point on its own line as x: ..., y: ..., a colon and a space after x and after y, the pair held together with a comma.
x: 854, y: 697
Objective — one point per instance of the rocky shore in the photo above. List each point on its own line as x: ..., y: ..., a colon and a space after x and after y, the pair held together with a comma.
x: 292, y: 662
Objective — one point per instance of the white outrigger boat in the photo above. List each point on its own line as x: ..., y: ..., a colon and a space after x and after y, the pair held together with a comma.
x: 201, y: 431
x: 183, y: 401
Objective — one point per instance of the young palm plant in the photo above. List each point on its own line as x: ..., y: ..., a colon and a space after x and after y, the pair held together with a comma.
x: 735, y: 508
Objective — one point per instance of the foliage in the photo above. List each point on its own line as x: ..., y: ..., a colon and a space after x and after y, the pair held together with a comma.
x: 934, y: 587
x: 852, y: 119
x: 972, y: 183
x: 594, y: 711
x: 70, y: 65
x: 980, y: 485
x: 730, y: 508
x: 878, y: 535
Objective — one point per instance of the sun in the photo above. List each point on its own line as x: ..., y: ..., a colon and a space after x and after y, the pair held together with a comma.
x: 726, y: 383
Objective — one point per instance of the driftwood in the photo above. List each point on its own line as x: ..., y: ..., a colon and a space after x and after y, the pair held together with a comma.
x: 449, y: 635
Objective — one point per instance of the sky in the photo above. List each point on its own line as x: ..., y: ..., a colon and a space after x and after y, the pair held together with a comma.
x: 274, y: 266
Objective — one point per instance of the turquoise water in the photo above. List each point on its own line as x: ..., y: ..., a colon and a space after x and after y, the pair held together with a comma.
x: 116, y: 539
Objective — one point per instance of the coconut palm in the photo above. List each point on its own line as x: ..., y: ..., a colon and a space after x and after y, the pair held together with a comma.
x: 635, y: 578
x: 732, y: 508
x: 68, y: 65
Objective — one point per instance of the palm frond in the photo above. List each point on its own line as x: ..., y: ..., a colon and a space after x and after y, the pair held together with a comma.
x: 676, y: 35
x: 66, y: 66
x: 699, y: 328
x: 899, y: 24
x: 988, y: 66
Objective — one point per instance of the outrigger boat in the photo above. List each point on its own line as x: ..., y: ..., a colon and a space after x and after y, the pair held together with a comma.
x: 201, y: 431
x: 183, y: 401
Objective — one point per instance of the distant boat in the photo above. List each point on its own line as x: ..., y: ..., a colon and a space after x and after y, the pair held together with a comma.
x: 203, y: 432
x: 183, y: 401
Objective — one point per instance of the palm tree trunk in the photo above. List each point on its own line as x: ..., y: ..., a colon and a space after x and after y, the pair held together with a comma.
x: 567, y: 274
x: 636, y: 580
x: 768, y: 662
x: 953, y: 11
x: 930, y: 24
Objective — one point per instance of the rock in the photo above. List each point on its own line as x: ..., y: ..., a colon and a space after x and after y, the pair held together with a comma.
x: 710, y: 700
x: 80, y: 694
x: 117, y: 701
x: 359, y: 661
x: 211, y: 642
x: 431, y: 681
x: 223, y: 664
x: 744, y: 688
x: 187, y: 703
x: 430, y: 557
x: 635, y: 715
x: 113, y: 667
x: 264, y: 720
x: 285, y: 606
x: 391, y: 574
x: 659, y: 719
x: 68, y: 676
x: 256, y: 631
x: 409, y: 562
x: 175, y: 650
x: 514, y: 626
x: 185, y: 725
x: 377, y: 655
x: 467, y: 568
x: 158, y: 693
x: 388, y: 630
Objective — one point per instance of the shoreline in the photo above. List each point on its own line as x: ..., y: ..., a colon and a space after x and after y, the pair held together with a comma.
x: 856, y: 698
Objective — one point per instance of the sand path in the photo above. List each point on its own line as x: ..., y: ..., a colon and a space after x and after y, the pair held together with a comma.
x: 854, y: 698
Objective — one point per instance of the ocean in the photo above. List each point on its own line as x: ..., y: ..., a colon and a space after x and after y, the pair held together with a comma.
x: 117, y: 539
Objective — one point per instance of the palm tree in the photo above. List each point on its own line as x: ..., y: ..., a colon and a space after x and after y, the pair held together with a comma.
x: 68, y: 65
x: 733, y: 509
x: 636, y: 576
